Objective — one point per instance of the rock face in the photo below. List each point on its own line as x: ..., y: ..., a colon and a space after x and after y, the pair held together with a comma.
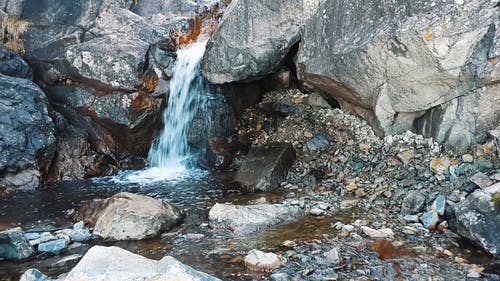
x: 13, y: 245
x: 127, y: 216
x: 423, y: 66
x: 477, y: 219
x: 265, y: 167
x: 13, y: 65
x: 26, y: 133
x: 113, y: 263
x: 247, y: 219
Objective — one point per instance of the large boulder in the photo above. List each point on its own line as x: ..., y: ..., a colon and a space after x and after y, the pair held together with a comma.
x: 245, y: 219
x: 26, y: 134
x: 127, y: 216
x: 253, y: 38
x: 14, y: 246
x: 401, y: 65
x: 477, y: 218
x: 265, y: 167
x: 112, y: 263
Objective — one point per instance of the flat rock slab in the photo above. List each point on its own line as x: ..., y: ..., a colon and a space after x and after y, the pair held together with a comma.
x: 265, y: 167
x: 247, y: 219
x: 477, y: 219
x: 113, y: 263
x: 127, y: 216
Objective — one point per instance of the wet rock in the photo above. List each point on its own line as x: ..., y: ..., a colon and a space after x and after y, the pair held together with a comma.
x: 476, y: 218
x: 54, y: 247
x: 430, y: 219
x: 13, y: 245
x: 27, y: 134
x: 413, y: 203
x: 113, y: 263
x: 481, y: 180
x: 259, y: 261
x: 13, y: 65
x: 127, y: 216
x: 244, y: 219
x: 265, y: 167
x: 439, y: 205
x: 34, y: 275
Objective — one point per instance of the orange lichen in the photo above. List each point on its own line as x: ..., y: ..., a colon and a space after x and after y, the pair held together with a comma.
x: 195, y: 27
x: 429, y: 34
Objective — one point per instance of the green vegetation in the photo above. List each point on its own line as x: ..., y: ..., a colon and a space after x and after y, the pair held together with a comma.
x: 496, y: 199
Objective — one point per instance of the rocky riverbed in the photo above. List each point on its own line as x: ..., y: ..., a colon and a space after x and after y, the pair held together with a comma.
x: 352, y: 206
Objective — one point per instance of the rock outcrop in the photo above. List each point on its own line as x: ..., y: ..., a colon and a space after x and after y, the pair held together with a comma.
x: 26, y: 134
x: 422, y: 66
x: 127, y: 216
x: 113, y: 263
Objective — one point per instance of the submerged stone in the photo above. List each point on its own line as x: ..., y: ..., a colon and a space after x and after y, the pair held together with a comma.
x: 14, y: 245
x: 54, y: 246
x: 265, y: 167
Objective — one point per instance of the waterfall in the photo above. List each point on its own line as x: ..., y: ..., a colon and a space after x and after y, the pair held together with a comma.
x: 170, y: 153
x: 171, y: 148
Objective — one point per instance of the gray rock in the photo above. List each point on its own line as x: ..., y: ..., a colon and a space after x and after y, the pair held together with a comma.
x: 245, y: 219
x: 476, y: 218
x: 77, y: 235
x: 34, y: 275
x: 413, y: 203
x: 13, y: 65
x: 13, y: 245
x: 32, y: 235
x: 259, y: 261
x: 113, y: 263
x: 481, y: 180
x: 53, y: 247
x: 318, y: 142
x: 410, y: 218
x: 127, y: 216
x: 26, y: 133
x: 265, y: 167
x: 332, y: 256
x: 253, y: 38
x: 439, y: 205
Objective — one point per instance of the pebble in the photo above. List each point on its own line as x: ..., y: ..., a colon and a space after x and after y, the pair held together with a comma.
x: 259, y: 261
x: 430, y: 219
x: 467, y: 158
x: 410, y: 218
x: 481, y: 180
x: 316, y: 212
x: 332, y: 256
x: 79, y: 225
x: 32, y: 235
x: 439, y: 205
x: 440, y: 165
x: 382, y: 233
x: 347, y: 228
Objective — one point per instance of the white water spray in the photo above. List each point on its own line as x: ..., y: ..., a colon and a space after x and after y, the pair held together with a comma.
x: 170, y: 152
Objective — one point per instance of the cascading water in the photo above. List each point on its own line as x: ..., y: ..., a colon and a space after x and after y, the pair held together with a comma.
x: 170, y: 152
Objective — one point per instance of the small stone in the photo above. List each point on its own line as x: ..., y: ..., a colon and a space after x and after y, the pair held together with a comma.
x: 259, y: 261
x: 338, y: 225
x: 79, y: 225
x: 351, y: 187
x: 382, y: 233
x: 332, y: 256
x: 440, y: 165
x: 406, y: 156
x: 443, y: 226
x: 430, y: 219
x: 439, y: 205
x: 473, y: 274
x: 280, y: 277
x: 318, y: 142
x: 54, y: 247
x: 32, y: 235
x: 410, y: 218
x: 71, y: 259
x: 289, y: 244
x: 34, y: 275
x: 347, y: 228
x: 195, y: 236
x: 316, y: 212
x: 413, y: 203
x: 467, y: 158
x: 481, y: 180
x: 496, y: 177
